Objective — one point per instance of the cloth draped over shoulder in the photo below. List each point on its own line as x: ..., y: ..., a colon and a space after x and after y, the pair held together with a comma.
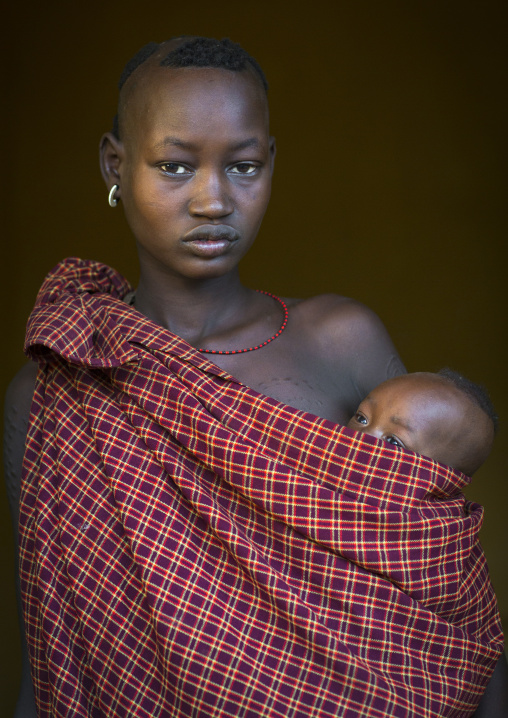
x: 190, y: 547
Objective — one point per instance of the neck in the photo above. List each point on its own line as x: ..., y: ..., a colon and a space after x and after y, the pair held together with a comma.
x: 193, y: 309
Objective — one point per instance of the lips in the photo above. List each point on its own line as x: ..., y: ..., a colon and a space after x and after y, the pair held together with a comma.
x: 211, y: 240
x: 211, y: 233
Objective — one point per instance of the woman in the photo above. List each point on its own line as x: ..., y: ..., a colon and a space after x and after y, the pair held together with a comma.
x: 172, y: 561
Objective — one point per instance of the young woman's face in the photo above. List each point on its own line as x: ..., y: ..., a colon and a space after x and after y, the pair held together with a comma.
x: 195, y: 168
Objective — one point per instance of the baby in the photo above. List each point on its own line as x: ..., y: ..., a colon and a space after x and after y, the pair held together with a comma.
x: 443, y: 416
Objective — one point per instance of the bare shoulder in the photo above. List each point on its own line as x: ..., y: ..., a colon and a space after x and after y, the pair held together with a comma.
x: 331, y: 306
x: 332, y: 319
x: 347, y: 341
x: 18, y: 400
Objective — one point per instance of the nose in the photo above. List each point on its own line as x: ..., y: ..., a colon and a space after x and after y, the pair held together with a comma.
x: 211, y: 198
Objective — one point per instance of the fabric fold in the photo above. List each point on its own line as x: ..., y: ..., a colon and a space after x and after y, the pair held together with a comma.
x: 192, y: 547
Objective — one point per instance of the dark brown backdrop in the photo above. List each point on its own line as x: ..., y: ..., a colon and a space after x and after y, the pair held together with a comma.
x: 390, y: 179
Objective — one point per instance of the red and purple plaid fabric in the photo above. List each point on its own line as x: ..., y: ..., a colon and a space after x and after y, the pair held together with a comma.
x: 193, y: 548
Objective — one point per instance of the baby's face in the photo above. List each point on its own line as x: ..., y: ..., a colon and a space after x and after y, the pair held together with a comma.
x: 393, y: 412
x: 423, y: 413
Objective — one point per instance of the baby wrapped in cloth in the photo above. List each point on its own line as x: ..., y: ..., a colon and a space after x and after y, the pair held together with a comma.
x: 191, y: 547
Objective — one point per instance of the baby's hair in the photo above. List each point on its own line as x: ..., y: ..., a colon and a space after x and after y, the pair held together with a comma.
x: 195, y: 52
x: 476, y: 392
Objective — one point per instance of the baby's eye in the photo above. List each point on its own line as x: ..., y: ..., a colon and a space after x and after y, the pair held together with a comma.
x: 244, y: 168
x: 393, y: 440
x: 360, y: 419
x: 173, y: 168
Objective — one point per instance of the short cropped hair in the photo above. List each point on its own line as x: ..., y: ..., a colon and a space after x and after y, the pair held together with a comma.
x: 195, y: 52
x: 477, y: 393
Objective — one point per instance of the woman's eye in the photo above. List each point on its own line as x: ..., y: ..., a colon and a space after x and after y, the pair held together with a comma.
x: 244, y: 168
x: 173, y: 168
x: 393, y: 440
x: 360, y: 419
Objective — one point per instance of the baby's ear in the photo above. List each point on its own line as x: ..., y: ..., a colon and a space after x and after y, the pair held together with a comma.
x: 111, y: 155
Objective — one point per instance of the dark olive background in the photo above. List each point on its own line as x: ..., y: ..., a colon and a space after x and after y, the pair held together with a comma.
x: 390, y: 181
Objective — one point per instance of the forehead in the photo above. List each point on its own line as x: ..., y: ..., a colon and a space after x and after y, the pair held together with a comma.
x: 427, y: 399
x: 193, y: 98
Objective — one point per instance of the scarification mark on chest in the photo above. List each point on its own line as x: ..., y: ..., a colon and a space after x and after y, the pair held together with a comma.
x: 290, y: 388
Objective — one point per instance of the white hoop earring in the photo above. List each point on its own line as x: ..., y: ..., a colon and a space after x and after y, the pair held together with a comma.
x: 111, y: 197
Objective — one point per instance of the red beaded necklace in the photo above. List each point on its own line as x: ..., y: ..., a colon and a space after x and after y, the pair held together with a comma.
x: 131, y: 297
x: 251, y: 349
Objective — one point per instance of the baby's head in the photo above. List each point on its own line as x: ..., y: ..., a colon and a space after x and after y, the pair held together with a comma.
x: 443, y: 416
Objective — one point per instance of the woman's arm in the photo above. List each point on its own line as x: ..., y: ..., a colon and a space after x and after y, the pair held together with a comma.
x: 494, y: 702
x: 18, y: 400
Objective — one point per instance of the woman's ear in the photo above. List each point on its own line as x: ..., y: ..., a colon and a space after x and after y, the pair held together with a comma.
x: 273, y: 152
x: 111, y: 155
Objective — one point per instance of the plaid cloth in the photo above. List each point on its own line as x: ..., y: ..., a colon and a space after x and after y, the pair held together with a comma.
x: 190, y: 547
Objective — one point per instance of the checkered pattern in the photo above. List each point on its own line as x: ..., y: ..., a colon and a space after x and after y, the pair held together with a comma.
x: 193, y: 548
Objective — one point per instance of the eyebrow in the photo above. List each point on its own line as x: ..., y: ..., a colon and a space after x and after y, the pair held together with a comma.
x: 177, y: 142
x: 394, y: 418
x: 402, y: 422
